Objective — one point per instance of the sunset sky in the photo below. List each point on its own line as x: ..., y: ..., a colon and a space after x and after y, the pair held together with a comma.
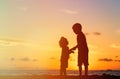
x: 30, y: 31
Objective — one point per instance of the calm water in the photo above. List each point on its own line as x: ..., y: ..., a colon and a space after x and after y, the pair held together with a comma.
x: 56, y: 72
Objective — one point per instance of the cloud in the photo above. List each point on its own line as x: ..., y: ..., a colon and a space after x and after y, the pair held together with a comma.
x: 87, y: 33
x: 118, y: 31
x: 68, y: 11
x: 19, y: 0
x: 35, y: 60
x: 11, y: 42
x: 12, y: 59
x: 117, y: 60
x: 52, y: 58
x: 92, y: 46
x: 93, y: 33
x: 22, y: 8
x: 8, y: 42
x: 28, y: 59
x: 25, y: 59
x: 115, y: 45
x: 106, y: 59
x: 96, y: 33
x: 116, y: 56
x: 110, y: 60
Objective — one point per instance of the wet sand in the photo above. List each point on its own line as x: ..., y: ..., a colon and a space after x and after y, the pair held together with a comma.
x: 60, y: 77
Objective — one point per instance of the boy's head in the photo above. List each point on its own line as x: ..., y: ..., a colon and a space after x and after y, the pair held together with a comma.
x: 77, y: 28
x: 63, y: 42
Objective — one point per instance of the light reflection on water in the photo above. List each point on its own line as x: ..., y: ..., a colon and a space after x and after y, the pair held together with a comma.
x: 56, y: 72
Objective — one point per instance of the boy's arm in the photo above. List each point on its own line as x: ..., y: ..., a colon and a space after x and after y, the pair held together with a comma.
x: 71, y: 50
x: 74, y: 48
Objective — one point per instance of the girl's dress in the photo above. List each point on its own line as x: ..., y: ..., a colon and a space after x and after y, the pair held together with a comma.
x: 64, y: 57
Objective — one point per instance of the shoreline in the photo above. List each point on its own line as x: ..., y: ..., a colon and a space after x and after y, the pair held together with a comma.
x: 58, y: 77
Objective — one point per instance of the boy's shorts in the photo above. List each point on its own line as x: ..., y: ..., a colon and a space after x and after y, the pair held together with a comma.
x: 83, y: 60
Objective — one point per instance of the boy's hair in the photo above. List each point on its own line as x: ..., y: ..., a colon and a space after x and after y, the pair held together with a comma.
x: 63, y: 42
x: 77, y: 26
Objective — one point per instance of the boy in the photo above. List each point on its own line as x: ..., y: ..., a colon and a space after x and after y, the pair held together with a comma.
x: 82, y: 48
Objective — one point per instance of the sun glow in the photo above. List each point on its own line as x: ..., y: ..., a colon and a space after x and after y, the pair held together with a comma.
x: 30, y: 33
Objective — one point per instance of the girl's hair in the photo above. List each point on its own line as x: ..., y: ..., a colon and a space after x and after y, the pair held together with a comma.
x: 63, y: 42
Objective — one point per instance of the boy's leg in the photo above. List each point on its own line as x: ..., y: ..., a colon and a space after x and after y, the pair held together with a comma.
x: 86, y: 70
x: 86, y: 65
x: 80, y: 65
x: 65, y: 72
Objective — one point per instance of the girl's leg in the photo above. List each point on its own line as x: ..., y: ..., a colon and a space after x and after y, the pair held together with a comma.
x: 64, y: 71
x: 61, y: 71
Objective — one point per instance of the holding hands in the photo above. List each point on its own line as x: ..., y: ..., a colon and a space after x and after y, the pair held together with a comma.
x: 72, y: 49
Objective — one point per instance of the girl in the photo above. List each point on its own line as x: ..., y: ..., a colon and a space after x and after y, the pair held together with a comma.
x: 64, y: 55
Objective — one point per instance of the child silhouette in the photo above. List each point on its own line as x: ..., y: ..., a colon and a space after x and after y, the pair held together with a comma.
x: 64, y: 55
x: 82, y: 48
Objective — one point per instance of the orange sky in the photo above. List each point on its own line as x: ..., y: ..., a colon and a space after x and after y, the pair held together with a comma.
x: 30, y: 31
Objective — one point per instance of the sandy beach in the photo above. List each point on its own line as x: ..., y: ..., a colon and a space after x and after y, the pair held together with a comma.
x: 60, y: 77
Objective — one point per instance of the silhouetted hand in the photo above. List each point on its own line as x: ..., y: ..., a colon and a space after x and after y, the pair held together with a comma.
x: 72, y: 51
x: 74, y: 48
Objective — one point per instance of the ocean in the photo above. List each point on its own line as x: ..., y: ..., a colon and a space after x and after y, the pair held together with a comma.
x: 56, y: 72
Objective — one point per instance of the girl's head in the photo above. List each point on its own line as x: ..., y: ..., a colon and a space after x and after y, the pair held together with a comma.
x: 63, y: 42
